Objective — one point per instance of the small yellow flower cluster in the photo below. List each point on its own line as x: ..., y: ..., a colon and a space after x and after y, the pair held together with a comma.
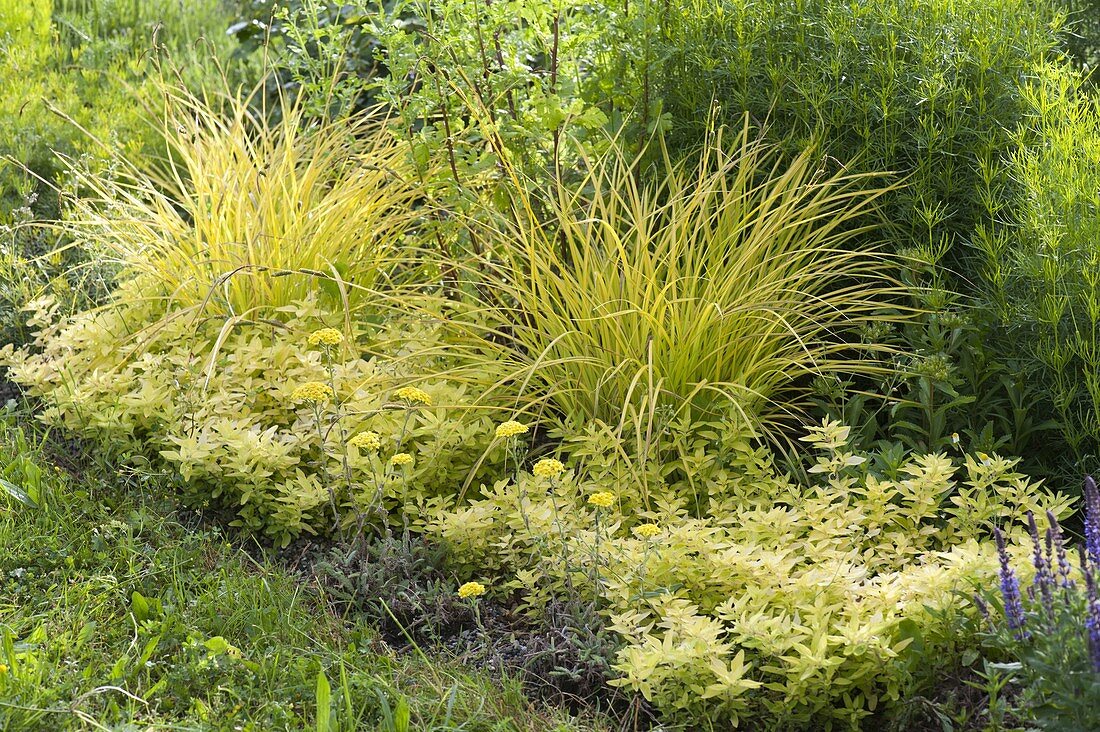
x: 548, y: 468
x: 413, y: 395
x: 402, y: 458
x: 647, y: 531
x: 471, y: 589
x: 325, y: 337
x: 511, y: 428
x: 312, y: 391
x: 603, y: 499
x: 3, y: 668
x: 366, y: 441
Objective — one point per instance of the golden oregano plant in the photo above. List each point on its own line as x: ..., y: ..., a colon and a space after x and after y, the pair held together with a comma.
x: 743, y: 596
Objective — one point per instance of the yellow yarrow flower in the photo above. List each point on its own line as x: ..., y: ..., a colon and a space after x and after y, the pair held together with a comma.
x: 413, y: 395
x: 548, y: 468
x: 402, y: 458
x: 603, y: 499
x: 366, y: 441
x: 647, y: 531
x: 325, y: 337
x: 471, y: 589
x: 511, y: 428
x: 312, y: 391
x: 3, y: 668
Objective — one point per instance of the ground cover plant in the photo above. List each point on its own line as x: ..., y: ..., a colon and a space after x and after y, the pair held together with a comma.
x: 743, y: 596
x: 700, y: 362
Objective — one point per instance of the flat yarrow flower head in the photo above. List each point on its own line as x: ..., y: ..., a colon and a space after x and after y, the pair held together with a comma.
x: 413, y: 395
x: 312, y: 391
x: 511, y: 428
x: 548, y: 468
x: 402, y: 458
x: 471, y: 590
x: 603, y: 499
x: 369, y: 441
x: 325, y: 337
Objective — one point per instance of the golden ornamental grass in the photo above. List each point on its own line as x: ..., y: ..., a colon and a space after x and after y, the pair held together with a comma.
x: 717, y: 284
x: 246, y: 214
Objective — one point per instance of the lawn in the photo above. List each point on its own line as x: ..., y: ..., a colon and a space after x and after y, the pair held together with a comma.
x: 119, y: 612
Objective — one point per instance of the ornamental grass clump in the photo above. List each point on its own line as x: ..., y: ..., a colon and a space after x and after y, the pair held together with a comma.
x: 705, y: 285
x: 244, y: 215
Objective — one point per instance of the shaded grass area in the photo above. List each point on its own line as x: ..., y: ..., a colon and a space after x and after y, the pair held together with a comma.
x: 115, y: 615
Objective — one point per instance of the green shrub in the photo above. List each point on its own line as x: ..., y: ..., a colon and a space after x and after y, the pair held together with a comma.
x: 949, y: 380
x: 473, y: 88
x: 740, y: 595
x: 929, y: 90
x: 1045, y: 281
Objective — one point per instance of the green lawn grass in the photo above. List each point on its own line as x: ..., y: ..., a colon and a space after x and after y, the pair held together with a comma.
x: 114, y: 615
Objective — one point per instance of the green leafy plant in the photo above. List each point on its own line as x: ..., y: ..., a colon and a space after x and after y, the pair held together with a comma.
x: 1043, y: 282
x: 255, y: 420
x: 762, y: 602
x: 951, y: 387
x: 928, y: 90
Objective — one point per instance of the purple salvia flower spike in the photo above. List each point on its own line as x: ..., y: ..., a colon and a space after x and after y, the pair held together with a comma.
x: 1092, y: 613
x: 1064, y: 567
x: 1043, y: 583
x: 1092, y: 521
x: 1010, y: 589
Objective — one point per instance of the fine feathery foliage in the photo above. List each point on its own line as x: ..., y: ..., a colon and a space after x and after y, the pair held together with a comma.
x: 928, y: 90
x: 721, y: 283
x: 1045, y: 282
